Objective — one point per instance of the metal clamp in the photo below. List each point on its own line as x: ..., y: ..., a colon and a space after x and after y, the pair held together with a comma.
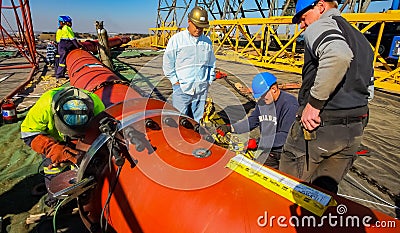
x: 103, y: 138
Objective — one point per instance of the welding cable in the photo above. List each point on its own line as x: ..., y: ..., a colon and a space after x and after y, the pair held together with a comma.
x: 55, y: 214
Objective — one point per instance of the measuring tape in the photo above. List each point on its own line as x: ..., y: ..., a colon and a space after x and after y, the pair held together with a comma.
x: 309, y: 198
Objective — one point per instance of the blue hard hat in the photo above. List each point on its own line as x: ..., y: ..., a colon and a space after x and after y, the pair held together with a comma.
x: 301, y: 7
x: 61, y: 18
x: 261, y: 83
x: 64, y: 18
x: 68, y: 19
x: 304, y: 5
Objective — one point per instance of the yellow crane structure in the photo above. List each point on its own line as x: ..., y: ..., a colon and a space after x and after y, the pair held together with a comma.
x: 277, y: 44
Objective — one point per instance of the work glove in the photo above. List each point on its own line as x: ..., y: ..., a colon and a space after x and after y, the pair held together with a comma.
x: 252, y: 144
x: 224, y: 129
x: 52, y: 149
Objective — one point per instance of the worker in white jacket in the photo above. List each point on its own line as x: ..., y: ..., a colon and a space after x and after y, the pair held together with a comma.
x: 189, y: 64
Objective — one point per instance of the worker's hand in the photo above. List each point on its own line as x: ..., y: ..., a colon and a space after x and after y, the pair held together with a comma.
x: 60, y: 153
x: 310, y: 118
x: 57, y: 152
x: 223, y: 129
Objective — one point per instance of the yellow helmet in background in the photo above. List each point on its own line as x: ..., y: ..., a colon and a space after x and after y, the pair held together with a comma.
x: 199, y: 16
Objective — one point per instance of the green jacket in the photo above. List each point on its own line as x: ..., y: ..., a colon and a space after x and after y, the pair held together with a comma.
x: 67, y: 33
x: 58, y: 35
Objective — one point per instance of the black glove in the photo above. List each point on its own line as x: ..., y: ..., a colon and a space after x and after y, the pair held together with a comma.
x: 223, y: 129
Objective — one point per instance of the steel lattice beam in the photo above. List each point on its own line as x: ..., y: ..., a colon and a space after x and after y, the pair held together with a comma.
x: 173, y: 13
x: 16, y: 29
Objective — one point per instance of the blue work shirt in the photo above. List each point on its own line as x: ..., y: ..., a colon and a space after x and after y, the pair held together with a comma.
x: 274, y: 120
x: 190, y: 61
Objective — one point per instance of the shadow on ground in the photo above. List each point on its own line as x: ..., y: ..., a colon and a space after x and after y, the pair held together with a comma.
x: 19, y: 198
x: 24, y: 199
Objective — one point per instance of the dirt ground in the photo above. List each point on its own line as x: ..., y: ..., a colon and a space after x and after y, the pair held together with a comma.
x: 373, y: 182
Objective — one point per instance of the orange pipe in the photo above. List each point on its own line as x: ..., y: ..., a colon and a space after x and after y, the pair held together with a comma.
x: 112, y: 42
x: 85, y: 71
x: 170, y: 189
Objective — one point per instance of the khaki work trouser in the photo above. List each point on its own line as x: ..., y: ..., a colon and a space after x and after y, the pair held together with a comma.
x: 331, y: 154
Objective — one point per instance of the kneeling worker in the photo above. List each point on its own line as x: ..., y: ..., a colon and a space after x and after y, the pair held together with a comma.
x: 274, y: 112
x: 59, y: 116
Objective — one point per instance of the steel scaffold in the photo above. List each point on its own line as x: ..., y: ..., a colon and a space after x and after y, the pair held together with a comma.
x: 16, y: 29
x: 261, y: 33
x: 16, y: 32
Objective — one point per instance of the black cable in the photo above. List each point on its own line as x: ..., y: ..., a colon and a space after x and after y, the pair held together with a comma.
x: 106, y: 204
x: 105, y: 208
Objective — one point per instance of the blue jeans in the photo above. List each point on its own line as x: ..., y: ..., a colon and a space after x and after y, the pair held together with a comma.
x: 191, y: 105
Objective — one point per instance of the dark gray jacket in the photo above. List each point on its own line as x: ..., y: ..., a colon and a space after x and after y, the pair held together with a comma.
x: 337, y: 68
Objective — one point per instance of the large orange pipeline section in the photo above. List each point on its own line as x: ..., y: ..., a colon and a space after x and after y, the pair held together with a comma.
x: 85, y: 71
x: 91, y: 45
x: 174, y: 179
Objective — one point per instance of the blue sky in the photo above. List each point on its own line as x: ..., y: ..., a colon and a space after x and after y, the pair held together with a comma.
x: 118, y: 15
